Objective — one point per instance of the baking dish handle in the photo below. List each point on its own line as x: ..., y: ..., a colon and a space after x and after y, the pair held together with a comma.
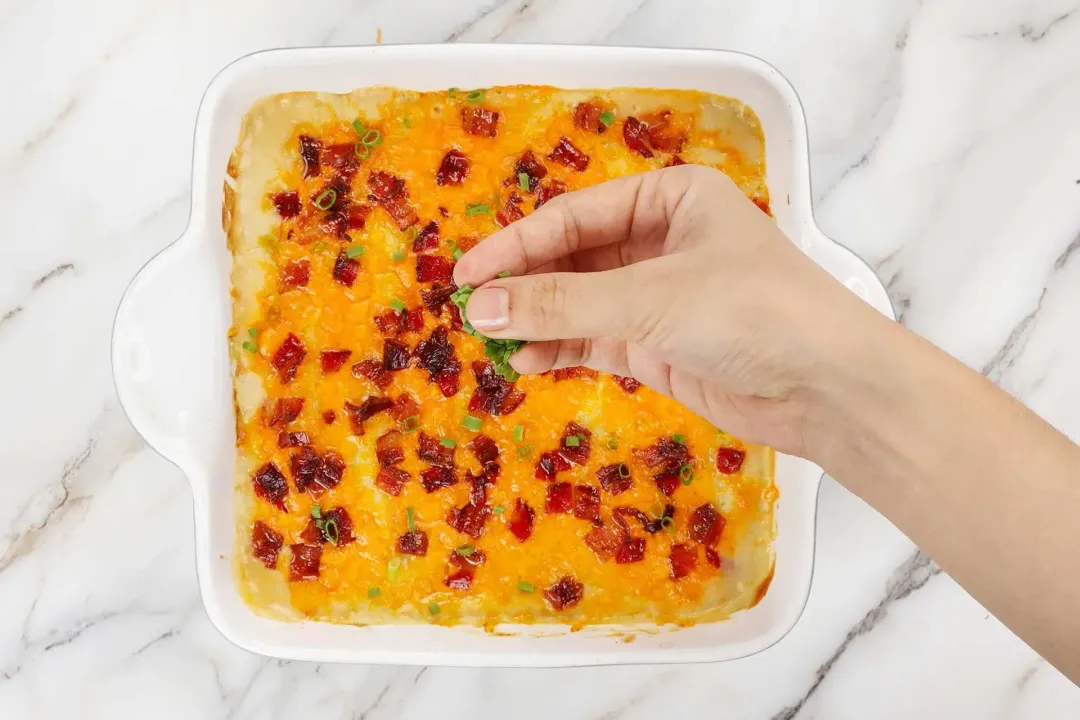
x: 848, y: 268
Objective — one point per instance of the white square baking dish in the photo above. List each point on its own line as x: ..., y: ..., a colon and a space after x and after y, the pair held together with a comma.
x: 172, y: 372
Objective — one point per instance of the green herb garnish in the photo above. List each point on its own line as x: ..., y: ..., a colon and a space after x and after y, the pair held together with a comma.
x: 392, y: 568
x: 253, y: 333
x: 452, y: 92
x: 572, y: 441
x: 624, y: 470
x: 526, y: 587
x: 606, y: 118
x: 406, y: 122
x: 410, y: 519
x: 326, y: 199
x: 354, y: 251
x: 373, y: 592
x: 613, y: 443
x: 327, y: 526
x: 498, y: 509
x: 523, y: 181
x: 398, y: 256
x: 476, y: 96
x: 397, y: 304
x: 410, y: 424
x: 679, y: 438
x: 447, y: 442
x: 686, y: 474
x: 466, y: 550
x: 519, y: 433
x: 524, y: 451
x: 477, y: 208
x: 433, y: 608
x: 472, y: 423
x: 250, y: 346
x: 498, y: 351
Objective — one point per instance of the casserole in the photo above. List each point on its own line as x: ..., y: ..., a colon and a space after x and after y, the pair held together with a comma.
x: 172, y: 369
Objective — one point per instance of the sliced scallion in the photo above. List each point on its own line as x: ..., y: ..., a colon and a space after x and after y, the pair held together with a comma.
x: 410, y: 424
x: 466, y: 550
x: 472, y: 423
x: 410, y: 519
x: 498, y: 509
x: 679, y: 438
x: 250, y: 346
x: 686, y: 474
x: 476, y: 96
x: 613, y: 443
x: 524, y: 451
x: 393, y: 568
x: 398, y: 256
x: 253, y: 333
x: 572, y: 441
x: 624, y: 470
x: 527, y: 587
x: 606, y: 118
x: 354, y: 251
x: 477, y: 208
x: 519, y: 433
x: 373, y: 592
x: 397, y: 304
x: 326, y: 199
x: 523, y: 181
x: 447, y: 442
x: 433, y: 608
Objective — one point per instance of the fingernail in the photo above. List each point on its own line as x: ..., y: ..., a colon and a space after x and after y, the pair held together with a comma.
x: 489, y: 309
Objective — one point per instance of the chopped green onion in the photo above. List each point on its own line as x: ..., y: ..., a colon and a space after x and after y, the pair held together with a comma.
x: 406, y: 122
x: 607, y: 117
x: 354, y: 251
x: 526, y: 587
x: 472, y: 423
x: 433, y: 608
x: 498, y: 509
x: 253, y: 333
x: 477, y: 208
x: 397, y: 304
x: 316, y: 512
x: 669, y: 525
x: 452, y: 92
x: 503, y: 274
x: 411, y: 233
x: 411, y: 520
x: 686, y: 473
x: 410, y: 424
x: 398, y: 256
x: 361, y: 150
x: 572, y: 441
x: 250, y: 346
x: 624, y: 470
x: 656, y: 510
x: 679, y: 438
x: 613, y: 443
x: 523, y: 181
x: 319, y: 246
x: 519, y: 433
x: 358, y: 127
x: 326, y: 199
x: 524, y: 451
x: 372, y: 138
x: 457, y: 253
x: 448, y: 442
x: 475, y: 96
x: 373, y: 592
x: 330, y: 531
x: 392, y: 568
x: 466, y: 550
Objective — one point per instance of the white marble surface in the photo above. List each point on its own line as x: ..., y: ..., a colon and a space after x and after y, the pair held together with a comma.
x: 946, y: 151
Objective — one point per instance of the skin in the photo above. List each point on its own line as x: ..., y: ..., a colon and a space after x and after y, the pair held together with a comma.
x: 675, y: 278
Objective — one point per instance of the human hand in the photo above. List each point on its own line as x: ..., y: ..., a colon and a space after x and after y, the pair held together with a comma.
x: 675, y: 278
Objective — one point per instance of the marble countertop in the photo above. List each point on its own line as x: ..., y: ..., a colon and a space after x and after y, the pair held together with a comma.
x: 946, y: 152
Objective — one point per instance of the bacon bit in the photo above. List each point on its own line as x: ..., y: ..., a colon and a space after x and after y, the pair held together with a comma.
x: 304, y: 466
x: 631, y: 550
x: 448, y: 383
x: 342, y: 157
x: 485, y: 449
x: 393, y: 323
x: 287, y: 204
x: 762, y: 205
x: 566, y: 154
x: 550, y: 464
x: 305, y: 562
x: 587, y: 117
x: 329, y: 416
x: 493, y: 394
x: 480, y: 121
x: 443, y: 211
x: 532, y: 167
x: 460, y: 579
x: 521, y: 520
x: 664, y: 452
x: 401, y: 213
x: 667, y: 483
x: 388, y: 448
x: 706, y: 525
x: 282, y: 411
x: 586, y: 503
x: 435, y: 298
x: 391, y: 480
x: 729, y: 460
x: 332, y: 360
x: 453, y: 169
x: 434, y: 269
x: 628, y: 384
x: 675, y: 161
x: 612, y: 481
x: 333, y: 224
x: 664, y: 135
x: 455, y: 318
x: 385, y: 187
x: 295, y: 274
x: 356, y: 216
x: 560, y: 498
x: 565, y: 593
x: 683, y: 560
x: 427, y: 238
x: 370, y: 407
x: 413, y: 543
x: 265, y: 544
x: 549, y: 191
x: 572, y: 373
x: 636, y: 136
x: 462, y: 569
x: 712, y: 557
x: 578, y: 454
x: 309, y: 152
x: 288, y: 357
x: 511, y: 212
x: 271, y: 486
x: 331, y: 470
x: 436, y: 355
x: 468, y: 519
x: 604, y: 541
x: 346, y: 269
x: 620, y: 515
x: 374, y: 371
x: 414, y: 320
x: 430, y: 450
x: 437, y: 477
x: 395, y: 355
x: 405, y: 406
x: 478, y: 485
x: 292, y: 439
x: 313, y: 534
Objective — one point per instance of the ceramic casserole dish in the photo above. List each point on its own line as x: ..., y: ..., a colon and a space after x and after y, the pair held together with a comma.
x: 171, y: 362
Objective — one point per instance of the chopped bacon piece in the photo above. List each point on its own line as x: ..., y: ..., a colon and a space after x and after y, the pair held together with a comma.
x: 391, y: 480
x: 430, y: 450
x: 374, y: 371
x: 305, y: 561
x: 287, y: 204
x: 480, y: 121
x: 511, y: 212
x: 371, y: 406
x: 667, y: 483
x: 427, y: 238
x: 683, y: 560
x: 549, y: 191
x: 478, y: 484
x: 571, y: 373
x: 388, y: 448
x: 566, y: 154
x: 762, y: 205
x: 395, y: 355
x: 448, y: 383
x: 521, y: 520
x: 665, y: 453
x: 342, y: 157
x: 393, y: 323
x: 455, y: 318
x: 675, y: 161
x: 436, y: 478
x: 468, y: 519
x: 729, y: 460
x: 586, y: 503
x: 356, y: 216
x: 295, y: 274
x: 346, y: 269
x: 463, y: 568
x: 282, y: 411
x: 304, y: 466
x: 493, y: 394
x: 550, y: 464
x: 402, y: 213
x: 405, y: 407
x: 605, y: 540
x: 620, y: 515
x: 712, y: 557
x: 628, y: 384
x: 560, y: 498
x: 330, y: 471
x: 413, y: 543
x: 485, y: 449
x: 453, y: 169
x: 664, y: 134
x: 444, y: 212
x: 636, y: 136
x: 437, y: 296
x: 292, y: 439
x: 615, y: 478
x: 309, y: 152
x: 631, y: 550
x: 265, y: 544
x: 565, y: 593
x: 333, y: 223
x: 385, y: 187
x: 460, y: 579
x: 434, y: 269
x: 271, y: 486
x: 340, y: 517
x: 531, y: 166
x: 436, y: 355
x: 587, y: 117
x: 706, y: 525
x: 288, y: 357
x: 332, y: 360
x: 329, y: 416
x: 579, y: 453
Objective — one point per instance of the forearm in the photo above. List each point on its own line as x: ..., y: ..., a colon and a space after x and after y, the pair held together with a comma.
x: 986, y: 487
